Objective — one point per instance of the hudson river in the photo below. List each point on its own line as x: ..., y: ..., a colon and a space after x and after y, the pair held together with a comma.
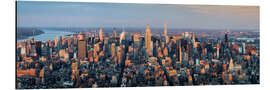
x: 49, y: 34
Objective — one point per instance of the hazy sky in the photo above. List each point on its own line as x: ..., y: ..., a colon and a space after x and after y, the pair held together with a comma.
x: 82, y: 14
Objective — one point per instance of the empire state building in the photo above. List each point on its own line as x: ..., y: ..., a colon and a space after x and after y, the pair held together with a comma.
x: 148, y: 42
x: 165, y: 33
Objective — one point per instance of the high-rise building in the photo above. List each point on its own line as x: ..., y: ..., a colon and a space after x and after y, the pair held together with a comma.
x: 41, y: 75
x: 114, y: 36
x: 38, y: 48
x: 189, y: 36
x: 180, y: 54
x: 32, y: 40
x: 101, y: 35
x: 96, y: 49
x: 28, y: 50
x: 113, y: 49
x: 226, y: 37
x: 193, y: 39
x: 165, y: 29
x: 186, y: 35
x: 160, y: 54
x: 136, y: 39
x: 74, y: 70
x: 23, y: 51
x: 81, y: 46
x: 218, y: 47
x: 70, y: 45
x: 243, y: 48
x: 114, y: 32
x: 165, y: 33
x: 122, y: 36
x: 58, y: 42
x: 231, y: 66
x: 165, y: 51
x: 119, y: 54
x: 148, y: 40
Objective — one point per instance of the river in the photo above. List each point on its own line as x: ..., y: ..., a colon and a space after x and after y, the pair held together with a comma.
x: 49, y: 34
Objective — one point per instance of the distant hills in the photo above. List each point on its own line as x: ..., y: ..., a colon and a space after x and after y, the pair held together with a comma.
x: 23, y: 33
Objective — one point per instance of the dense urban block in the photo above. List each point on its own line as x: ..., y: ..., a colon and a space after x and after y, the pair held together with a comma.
x: 93, y: 58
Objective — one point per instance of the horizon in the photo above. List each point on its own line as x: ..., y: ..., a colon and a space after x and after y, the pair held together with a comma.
x: 109, y: 15
x: 132, y: 28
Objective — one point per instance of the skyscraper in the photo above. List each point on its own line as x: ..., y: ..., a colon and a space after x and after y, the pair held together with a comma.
x: 58, y: 42
x: 81, y: 46
x: 113, y: 49
x: 70, y: 44
x: 101, y: 35
x: 165, y: 29
x: 114, y: 33
x: 226, y: 37
x: 165, y: 32
x: 119, y: 54
x: 193, y: 37
x: 148, y: 40
x: 194, y: 41
x: 180, y: 54
x: 136, y: 39
x: 186, y: 35
x: 218, y: 47
x: 243, y: 48
x: 38, y: 48
x: 122, y: 35
x: 231, y: 66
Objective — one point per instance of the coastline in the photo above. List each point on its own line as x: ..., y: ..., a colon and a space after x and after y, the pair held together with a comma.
x: 24, y: 33
x: 49, y: 34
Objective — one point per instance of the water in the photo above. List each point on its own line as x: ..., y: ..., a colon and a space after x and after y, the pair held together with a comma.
x: 49, y: 34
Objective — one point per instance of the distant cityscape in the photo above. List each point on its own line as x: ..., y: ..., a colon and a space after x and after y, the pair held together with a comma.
x: 141, y: 58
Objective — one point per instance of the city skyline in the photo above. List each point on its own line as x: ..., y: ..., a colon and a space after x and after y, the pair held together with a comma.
x: 86, y: 60
x: 78, y: 14
x: 134, y: 52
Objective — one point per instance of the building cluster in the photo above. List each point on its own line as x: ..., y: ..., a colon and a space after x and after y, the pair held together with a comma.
x: 91, y: 59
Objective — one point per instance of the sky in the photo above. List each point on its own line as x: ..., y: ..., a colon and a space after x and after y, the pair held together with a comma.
x: 87, y: 14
